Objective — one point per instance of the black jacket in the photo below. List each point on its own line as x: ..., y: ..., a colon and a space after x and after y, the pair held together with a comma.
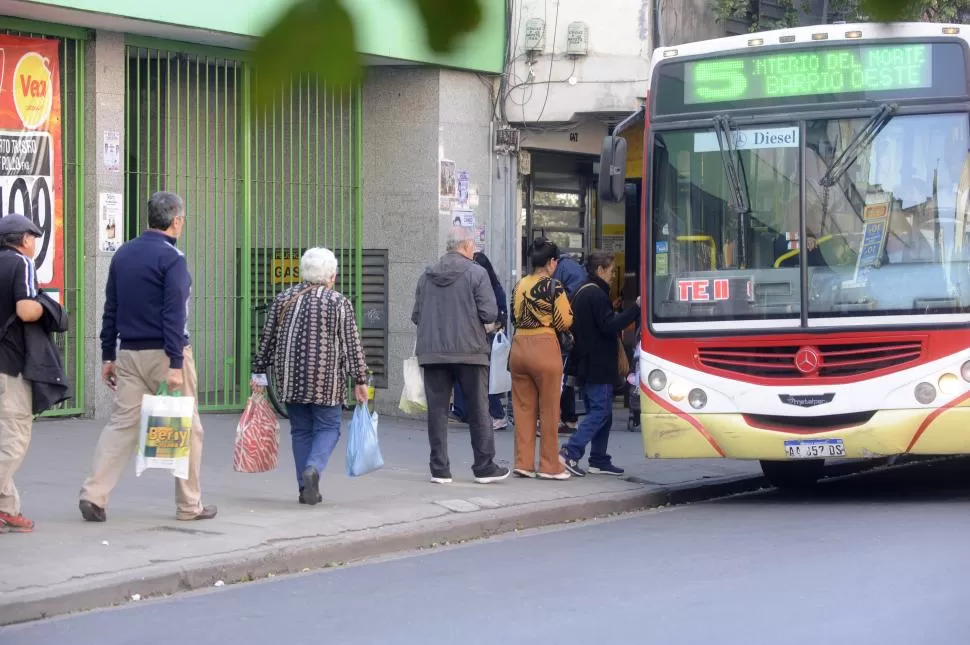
x: 43, y: 367
x: 596, y: 328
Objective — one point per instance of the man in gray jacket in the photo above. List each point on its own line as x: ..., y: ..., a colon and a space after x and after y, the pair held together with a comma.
x: 453, y: 303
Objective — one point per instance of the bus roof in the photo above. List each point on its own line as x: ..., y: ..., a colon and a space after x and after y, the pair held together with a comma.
x: 834, y: 33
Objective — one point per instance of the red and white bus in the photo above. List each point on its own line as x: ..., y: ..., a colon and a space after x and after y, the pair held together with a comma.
x: 805, y: 259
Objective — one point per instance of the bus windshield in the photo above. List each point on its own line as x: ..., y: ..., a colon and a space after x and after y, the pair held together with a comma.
x: 885, y: 226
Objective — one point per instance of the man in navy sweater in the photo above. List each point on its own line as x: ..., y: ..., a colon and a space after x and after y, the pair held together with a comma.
x: 145, y: 343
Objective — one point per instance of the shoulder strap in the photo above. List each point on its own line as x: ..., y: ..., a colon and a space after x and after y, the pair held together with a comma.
x: 579, y: 291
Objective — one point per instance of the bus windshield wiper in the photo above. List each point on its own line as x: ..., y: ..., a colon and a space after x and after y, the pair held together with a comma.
x: 862, y: 140
x: 732, y: 164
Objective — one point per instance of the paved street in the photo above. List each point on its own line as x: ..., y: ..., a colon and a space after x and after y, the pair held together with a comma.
x: 875, y: 559
x: 67, y: 565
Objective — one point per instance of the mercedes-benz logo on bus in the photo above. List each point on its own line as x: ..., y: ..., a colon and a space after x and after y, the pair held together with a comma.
x: 808, y: 360
x: 740, y: 140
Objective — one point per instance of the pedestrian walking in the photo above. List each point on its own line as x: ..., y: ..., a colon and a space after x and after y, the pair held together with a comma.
x: 145, y: 344
x: 18, y: 308
x: 595, y: 360
x: 571, y: 275
x: 540, y: 309
x: 453, y: 302
x: 311, y: 340
x: 495, y: 408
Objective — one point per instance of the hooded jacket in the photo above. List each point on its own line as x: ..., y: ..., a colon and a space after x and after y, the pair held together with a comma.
x: 453, y: 302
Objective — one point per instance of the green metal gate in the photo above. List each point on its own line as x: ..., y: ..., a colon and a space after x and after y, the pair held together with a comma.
x: 258, y: 190
x: 71, y: 49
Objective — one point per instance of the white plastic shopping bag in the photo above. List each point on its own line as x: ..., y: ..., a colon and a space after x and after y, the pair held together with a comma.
x: 413, y: 400
x: 363, y: 449
x: 499, y: 377
x: 166, y: 432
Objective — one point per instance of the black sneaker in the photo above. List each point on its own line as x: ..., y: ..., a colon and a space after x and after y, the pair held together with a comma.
x: 311, y: 486
x: 572, y: 465
x: 495, y: 473
x: 608, y: 469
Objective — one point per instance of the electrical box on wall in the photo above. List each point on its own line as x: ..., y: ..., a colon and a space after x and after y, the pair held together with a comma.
x: 577, y: 39
x: 535, y: 35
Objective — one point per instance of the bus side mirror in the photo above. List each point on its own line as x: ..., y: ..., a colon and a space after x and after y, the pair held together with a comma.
x: 612, y: 178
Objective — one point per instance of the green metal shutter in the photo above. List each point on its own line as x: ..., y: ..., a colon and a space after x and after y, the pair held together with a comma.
x: 258, y: 190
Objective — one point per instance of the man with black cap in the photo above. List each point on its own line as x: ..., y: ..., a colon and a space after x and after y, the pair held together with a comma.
x: 18, y: 307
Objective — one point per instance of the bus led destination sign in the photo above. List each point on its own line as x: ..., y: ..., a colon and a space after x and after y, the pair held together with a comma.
x: 874, y: 68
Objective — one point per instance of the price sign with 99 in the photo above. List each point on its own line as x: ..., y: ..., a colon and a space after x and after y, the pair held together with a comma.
x: 26, y: 187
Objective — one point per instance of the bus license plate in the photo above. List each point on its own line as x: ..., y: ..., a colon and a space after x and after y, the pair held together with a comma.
x: 814, y: 448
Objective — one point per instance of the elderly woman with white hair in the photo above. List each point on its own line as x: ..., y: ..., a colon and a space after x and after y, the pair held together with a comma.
x: 311, y: 340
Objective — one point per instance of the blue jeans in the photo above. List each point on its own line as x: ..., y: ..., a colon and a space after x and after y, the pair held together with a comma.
x: 495, y: 408
x: 594, y: 429
x: 315, y: 430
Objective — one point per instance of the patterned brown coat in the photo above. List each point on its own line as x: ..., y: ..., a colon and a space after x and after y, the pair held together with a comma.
x: 311, y: 340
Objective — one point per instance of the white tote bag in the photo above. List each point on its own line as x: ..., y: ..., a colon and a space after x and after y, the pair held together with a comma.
x: 413, y: 400
x: 165, y: 435
x: 499, y: 377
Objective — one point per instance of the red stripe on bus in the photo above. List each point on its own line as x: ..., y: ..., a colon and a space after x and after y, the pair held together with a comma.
x: 933, y: 416
x: 683, y: 415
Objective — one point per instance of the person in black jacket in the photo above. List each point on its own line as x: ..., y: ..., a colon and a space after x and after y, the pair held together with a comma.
x: 594, y: 360
x: 19, y: 309
x: 495, y: 408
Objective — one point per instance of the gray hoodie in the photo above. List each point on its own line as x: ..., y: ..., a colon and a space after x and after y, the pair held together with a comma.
x: 453, y: 302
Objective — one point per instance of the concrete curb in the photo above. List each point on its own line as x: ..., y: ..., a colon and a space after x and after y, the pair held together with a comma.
x: 316, y: 553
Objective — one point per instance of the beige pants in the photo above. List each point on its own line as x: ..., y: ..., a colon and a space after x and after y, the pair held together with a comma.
x: 16, y: 419
x: 140, y: 373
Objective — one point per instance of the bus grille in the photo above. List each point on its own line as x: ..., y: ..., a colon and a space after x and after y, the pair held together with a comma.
x: 837, y: 360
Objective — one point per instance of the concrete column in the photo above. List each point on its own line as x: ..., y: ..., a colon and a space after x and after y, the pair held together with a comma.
x: 104, y: 110
x: 400, y: 194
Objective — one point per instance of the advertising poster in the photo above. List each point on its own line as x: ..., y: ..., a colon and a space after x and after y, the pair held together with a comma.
x: 447, y: 181
x: 112, y: 151
x: 30, y: 148
x: 462, y: 181
x: 111, y: 227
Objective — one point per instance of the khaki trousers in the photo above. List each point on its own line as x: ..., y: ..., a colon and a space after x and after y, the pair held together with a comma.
x: 16, y: 420
x: 140, y: 373
x: 536, y: 386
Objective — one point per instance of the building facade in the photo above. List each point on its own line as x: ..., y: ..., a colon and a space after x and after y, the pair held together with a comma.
x: 574, y: 70
x: 150, y: 96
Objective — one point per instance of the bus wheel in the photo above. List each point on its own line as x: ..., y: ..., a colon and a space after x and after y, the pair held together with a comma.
x: 793, y: 474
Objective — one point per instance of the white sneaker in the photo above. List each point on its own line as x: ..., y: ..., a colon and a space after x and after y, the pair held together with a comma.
x: 500, y: 424
x: 561, y: 476
x: 441, y: 480
x: 497, y: 474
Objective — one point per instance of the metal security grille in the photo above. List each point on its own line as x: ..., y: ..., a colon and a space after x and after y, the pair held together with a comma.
x: 259, y: 190
x: 71, y: 50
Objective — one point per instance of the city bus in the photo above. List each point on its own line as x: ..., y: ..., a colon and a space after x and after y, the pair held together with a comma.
x: 805, y: 249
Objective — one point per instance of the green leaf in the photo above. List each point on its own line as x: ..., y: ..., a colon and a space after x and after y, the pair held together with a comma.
x: 887, y: 10
x: 314, y: 37
x: 447, y: 21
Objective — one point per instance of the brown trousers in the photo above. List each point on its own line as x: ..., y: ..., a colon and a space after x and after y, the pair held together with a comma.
x: 16, y: 420
x: 140, y: 373
x: 536, y: 369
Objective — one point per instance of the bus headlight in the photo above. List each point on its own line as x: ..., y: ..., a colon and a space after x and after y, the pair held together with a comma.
x: 925, y: 393
x: 949, y: 384
x: 657, y: 380
x: 697, y: 398
x: 965, y: 371
x: 677, y: 391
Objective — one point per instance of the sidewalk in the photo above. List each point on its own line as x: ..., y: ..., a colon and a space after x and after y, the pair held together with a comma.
x: 67, y: 565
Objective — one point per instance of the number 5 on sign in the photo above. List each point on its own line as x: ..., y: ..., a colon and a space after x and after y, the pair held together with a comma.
x: 720, y: 80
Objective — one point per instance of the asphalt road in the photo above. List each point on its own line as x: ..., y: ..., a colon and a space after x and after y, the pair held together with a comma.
x: 877, y: 559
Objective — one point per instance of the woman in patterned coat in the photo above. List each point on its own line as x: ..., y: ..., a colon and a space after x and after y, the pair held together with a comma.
x: 311, y: 340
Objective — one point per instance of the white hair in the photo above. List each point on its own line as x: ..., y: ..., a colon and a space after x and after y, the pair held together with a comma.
x: 457, y: 236
x: 318, y: 266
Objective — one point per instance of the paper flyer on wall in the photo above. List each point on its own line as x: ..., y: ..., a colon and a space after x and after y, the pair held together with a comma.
x: 111, y: 225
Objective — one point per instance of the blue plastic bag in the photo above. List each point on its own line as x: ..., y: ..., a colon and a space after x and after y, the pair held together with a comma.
x: 363, y: 450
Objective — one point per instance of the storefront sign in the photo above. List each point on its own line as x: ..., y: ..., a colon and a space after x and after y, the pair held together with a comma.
x: 30, y: 147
